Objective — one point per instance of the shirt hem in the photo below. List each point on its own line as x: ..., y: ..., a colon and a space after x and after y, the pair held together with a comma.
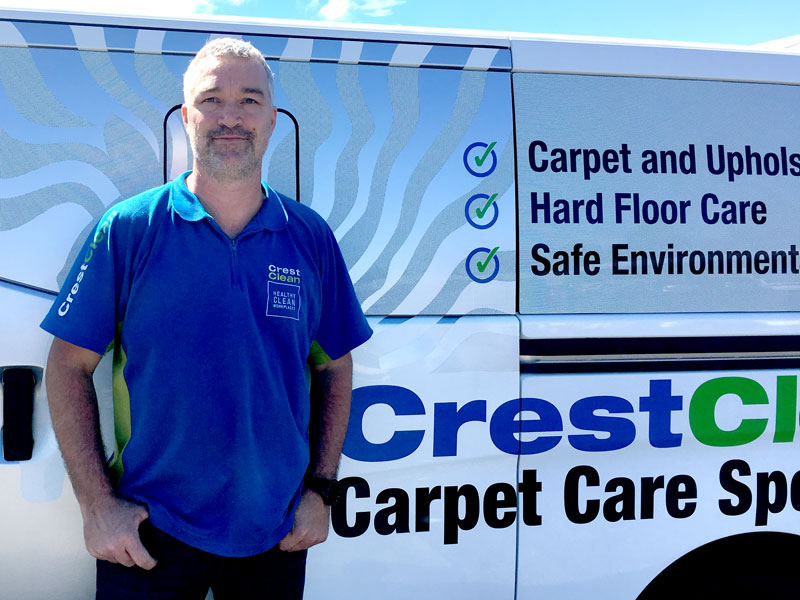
x: 168, y: 525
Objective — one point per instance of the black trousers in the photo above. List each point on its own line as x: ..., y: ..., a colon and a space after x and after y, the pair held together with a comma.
x: 186, y: 573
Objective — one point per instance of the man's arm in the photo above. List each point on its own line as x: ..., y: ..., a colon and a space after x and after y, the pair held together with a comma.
x: 110, y: 524
x: 331, y: 385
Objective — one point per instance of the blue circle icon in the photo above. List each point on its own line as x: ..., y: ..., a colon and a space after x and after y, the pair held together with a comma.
x: 477, y: 265
x: 477, y: 211
x: 480, y: 159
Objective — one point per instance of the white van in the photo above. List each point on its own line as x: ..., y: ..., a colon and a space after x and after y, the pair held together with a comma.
x: 580, y: 259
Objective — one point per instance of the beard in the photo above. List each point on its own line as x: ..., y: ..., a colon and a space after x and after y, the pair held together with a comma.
x: 226, y: 161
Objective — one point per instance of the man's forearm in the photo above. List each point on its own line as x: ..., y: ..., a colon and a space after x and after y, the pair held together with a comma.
x: 73, y: 410
x: 110, y: 524
x: 331, y: 386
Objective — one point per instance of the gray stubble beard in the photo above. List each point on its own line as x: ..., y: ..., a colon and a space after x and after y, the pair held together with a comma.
x: 224, y: 167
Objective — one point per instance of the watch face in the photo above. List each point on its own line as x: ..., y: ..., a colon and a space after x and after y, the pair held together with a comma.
x: 328, y: 489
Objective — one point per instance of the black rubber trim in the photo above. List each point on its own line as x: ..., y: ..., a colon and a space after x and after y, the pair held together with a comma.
x: 656, y: 345
x: 650, y: 366
x: 296, y: 152
x: 165, y: 139
x: 28, y: 286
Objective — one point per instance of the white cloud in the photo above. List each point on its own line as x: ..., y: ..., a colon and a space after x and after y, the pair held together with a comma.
x: 379, y: 8
x: 171, y: 8
x: 336, y: 10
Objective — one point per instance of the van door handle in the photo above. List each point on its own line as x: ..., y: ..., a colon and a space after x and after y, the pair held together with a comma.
x: 18, y: 385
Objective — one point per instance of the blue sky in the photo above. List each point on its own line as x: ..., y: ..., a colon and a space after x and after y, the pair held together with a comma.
x: 715, y: 21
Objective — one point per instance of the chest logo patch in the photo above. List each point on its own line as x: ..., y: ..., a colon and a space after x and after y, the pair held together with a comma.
x: 283, y: 300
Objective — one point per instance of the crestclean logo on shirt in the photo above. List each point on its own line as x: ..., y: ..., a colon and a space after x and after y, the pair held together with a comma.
x: 283, y: 292
x: 99, y: 234
x: 285, y: 274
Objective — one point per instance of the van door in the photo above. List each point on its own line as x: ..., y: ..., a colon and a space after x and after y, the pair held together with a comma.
x: 658, y: 293
x: 405, y: 147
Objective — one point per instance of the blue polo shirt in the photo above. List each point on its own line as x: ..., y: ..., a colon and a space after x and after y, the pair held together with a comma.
x: 210, y: 340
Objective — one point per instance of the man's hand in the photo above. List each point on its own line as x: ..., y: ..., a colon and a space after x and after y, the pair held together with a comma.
x: 311, y: 521
x: 111, y: 531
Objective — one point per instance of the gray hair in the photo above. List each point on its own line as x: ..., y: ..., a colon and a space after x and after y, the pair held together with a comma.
x: 226, y: 46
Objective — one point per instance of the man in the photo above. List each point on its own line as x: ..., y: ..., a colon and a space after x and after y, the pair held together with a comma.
x: 211, y: 290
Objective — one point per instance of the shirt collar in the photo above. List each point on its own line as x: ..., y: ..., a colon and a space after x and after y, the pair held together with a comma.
x: 272, y: 215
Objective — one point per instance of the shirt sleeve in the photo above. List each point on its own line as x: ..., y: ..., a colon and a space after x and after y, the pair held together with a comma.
x: 85, y: 311
x: 343, y: 325
x: 317, y: 356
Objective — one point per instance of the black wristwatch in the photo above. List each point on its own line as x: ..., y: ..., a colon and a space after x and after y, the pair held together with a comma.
x: 328, y: 489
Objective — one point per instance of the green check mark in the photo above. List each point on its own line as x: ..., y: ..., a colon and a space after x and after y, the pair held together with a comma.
x: 481, y: 212
x: 480, y: 160
x: 482, y: 265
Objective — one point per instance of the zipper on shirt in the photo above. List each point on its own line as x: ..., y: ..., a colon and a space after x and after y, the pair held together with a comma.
x: 236, y: 279
x: 233, y: 245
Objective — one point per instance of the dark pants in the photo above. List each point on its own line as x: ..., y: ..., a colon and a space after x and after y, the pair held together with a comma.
x: 186, y: 573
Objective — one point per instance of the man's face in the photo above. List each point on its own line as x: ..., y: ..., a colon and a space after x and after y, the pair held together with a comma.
x: 228, y: 116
